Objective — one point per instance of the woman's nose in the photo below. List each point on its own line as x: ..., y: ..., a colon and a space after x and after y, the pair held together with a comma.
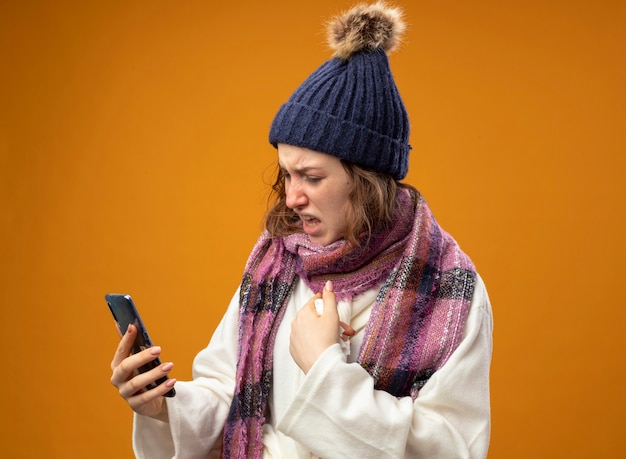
x: 294, y: 195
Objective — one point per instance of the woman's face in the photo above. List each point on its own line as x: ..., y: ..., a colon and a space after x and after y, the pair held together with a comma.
x: 317, y: 188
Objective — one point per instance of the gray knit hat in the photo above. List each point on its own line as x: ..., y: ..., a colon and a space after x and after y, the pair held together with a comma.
x: 350, y: 106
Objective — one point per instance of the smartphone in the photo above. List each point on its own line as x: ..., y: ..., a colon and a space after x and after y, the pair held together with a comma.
x: 125, y: 313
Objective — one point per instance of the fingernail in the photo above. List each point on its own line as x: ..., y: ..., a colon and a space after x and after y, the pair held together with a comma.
x: 155, y: 350
x: 347, y: 329
x: 170, y: 382
x: 329, y: 286
x: 167, y: 366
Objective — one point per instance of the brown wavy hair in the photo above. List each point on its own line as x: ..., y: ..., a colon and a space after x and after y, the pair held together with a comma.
x: 372, y: 203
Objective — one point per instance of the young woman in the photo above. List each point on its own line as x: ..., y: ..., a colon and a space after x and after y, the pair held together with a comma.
x: 360, y: 329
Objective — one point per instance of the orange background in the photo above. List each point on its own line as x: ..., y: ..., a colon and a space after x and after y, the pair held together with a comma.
x: 133, y: 158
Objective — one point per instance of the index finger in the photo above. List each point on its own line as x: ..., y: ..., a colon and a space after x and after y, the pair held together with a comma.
x: 124, y: 346
x: 328, y: 297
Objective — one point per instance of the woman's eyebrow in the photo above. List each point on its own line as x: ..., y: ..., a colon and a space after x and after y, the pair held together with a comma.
x: 302, y: 170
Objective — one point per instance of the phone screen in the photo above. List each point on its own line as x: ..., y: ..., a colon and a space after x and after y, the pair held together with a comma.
x: 125, y: 313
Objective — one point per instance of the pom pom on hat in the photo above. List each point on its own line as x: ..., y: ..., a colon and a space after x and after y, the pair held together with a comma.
x: 350, y: 106
x: 366, y: 27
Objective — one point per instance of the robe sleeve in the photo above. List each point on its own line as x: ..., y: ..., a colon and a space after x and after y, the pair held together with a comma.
x: 198, y: 412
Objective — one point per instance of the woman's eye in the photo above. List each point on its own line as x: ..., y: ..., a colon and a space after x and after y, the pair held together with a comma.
x: 313, y: 179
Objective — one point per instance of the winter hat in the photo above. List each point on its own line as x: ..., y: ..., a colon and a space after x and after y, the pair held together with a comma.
x: 350, y: 106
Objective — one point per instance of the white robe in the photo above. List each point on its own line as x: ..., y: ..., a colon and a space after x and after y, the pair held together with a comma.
x: 333, y: 411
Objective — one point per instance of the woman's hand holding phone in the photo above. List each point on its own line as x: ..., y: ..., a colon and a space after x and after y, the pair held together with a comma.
x: 130, y: 383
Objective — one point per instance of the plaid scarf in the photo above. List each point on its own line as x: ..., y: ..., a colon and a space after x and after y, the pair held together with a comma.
x: 416, y: 322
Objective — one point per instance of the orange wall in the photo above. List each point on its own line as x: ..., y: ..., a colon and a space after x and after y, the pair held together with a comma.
x: 133, y: 157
